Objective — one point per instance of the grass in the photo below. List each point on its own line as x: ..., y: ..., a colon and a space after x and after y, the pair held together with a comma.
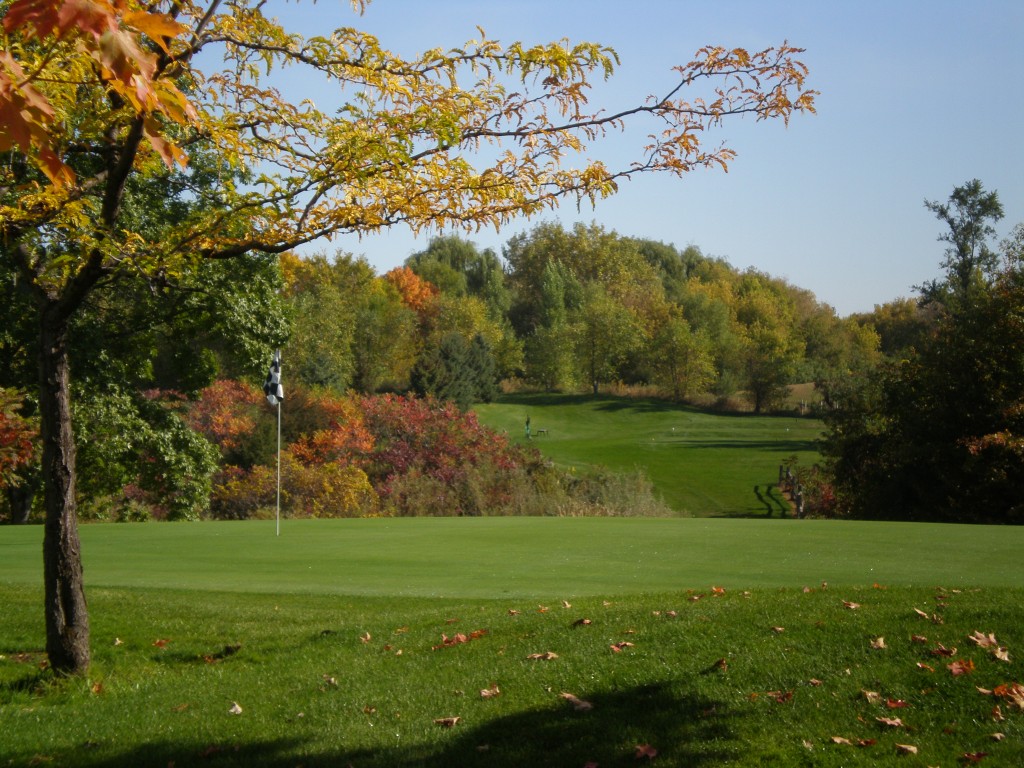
x: 526, y: 557
x: 331, y: 640
x: 701, y: 463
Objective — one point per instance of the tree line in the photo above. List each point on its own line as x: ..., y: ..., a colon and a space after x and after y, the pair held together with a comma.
x: 564, y: 309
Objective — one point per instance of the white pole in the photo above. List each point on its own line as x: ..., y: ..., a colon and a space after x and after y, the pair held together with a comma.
x: 278, y: 467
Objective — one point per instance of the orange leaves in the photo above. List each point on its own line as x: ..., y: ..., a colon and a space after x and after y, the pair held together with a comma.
x: 115, y: 40
x: 417, y: 294
x: 961, y: 667
x: 459, y: 638
x: 1012, y: 693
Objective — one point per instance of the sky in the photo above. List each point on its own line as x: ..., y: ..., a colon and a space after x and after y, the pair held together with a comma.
x: 916, y: 98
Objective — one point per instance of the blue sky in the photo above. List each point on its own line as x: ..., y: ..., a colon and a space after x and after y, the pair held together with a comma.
x: 917, y: 97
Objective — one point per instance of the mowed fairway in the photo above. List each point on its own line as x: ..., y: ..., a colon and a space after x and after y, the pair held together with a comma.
x: 511, y: 642
x: 542, y: 558
x: 704, y: 464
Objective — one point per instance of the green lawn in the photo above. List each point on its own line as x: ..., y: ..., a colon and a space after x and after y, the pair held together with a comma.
x: 351, y: 642
x: 526, y: 557
x: 701, y: 463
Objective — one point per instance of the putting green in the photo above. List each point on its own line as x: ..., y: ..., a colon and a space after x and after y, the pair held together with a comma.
x: 546, y: 558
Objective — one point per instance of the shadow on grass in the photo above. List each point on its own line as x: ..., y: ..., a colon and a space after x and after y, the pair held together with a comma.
x: 685, y: 729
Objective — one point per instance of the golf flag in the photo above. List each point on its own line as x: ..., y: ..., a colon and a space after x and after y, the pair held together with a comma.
x: 272, y: 386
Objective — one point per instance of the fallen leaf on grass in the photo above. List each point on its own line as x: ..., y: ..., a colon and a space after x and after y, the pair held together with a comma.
x: 577, y: 703
x: 617, y: 647
x: 922, y: 665
x: 447, y: 722
x: 118, y: 641
x: 581, y: 623
x: 1001, y: 654
x: 546, y: 656
x: 717, y: 591
x: 841, y: 740
x: 781, y: 697
x: 866, y: 743
x: 97, y: 688
x: 1012, y: 692
x: 941, y: 650
x: 919, y: 639
x: 458, y: 638
x: 160, y: 643
x: 906, y: 749
x: 646, y: 750
x: 365, y: 637
x: 778, y: 630
x: 566, y: 604
x: 513, y: 612
x: 873, y: 697
x: 997, y: 736
x: 896, y: 703
x: 721, y: 665
x: 922, y: 614
x: 961, y: 667
x: 973, y: 757
x: 890, y: 722
x: 878, y: 643
x: 851, y: 606
x: 490, y: 693
x: 228, y: 650
x: 236, y: 708
x: 982, y: 640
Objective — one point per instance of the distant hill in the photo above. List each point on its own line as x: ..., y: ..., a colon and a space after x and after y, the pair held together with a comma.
x: 701, y: 463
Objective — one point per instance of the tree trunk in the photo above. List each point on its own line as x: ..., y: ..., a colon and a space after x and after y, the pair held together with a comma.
x: 19, y: 500
x: 67, y: 617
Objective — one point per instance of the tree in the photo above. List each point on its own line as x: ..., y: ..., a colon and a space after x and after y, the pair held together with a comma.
x: 938, y: 434
x: 100, y: 99
x: 770, y: 348
x: 969, y: 215
x: 681, y: 360
x: 606, y: 333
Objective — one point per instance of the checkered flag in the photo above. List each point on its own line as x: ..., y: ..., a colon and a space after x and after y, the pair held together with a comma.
x: 272, y: 386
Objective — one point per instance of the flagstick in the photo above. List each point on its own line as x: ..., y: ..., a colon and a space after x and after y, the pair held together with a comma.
x: 278, y: 467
